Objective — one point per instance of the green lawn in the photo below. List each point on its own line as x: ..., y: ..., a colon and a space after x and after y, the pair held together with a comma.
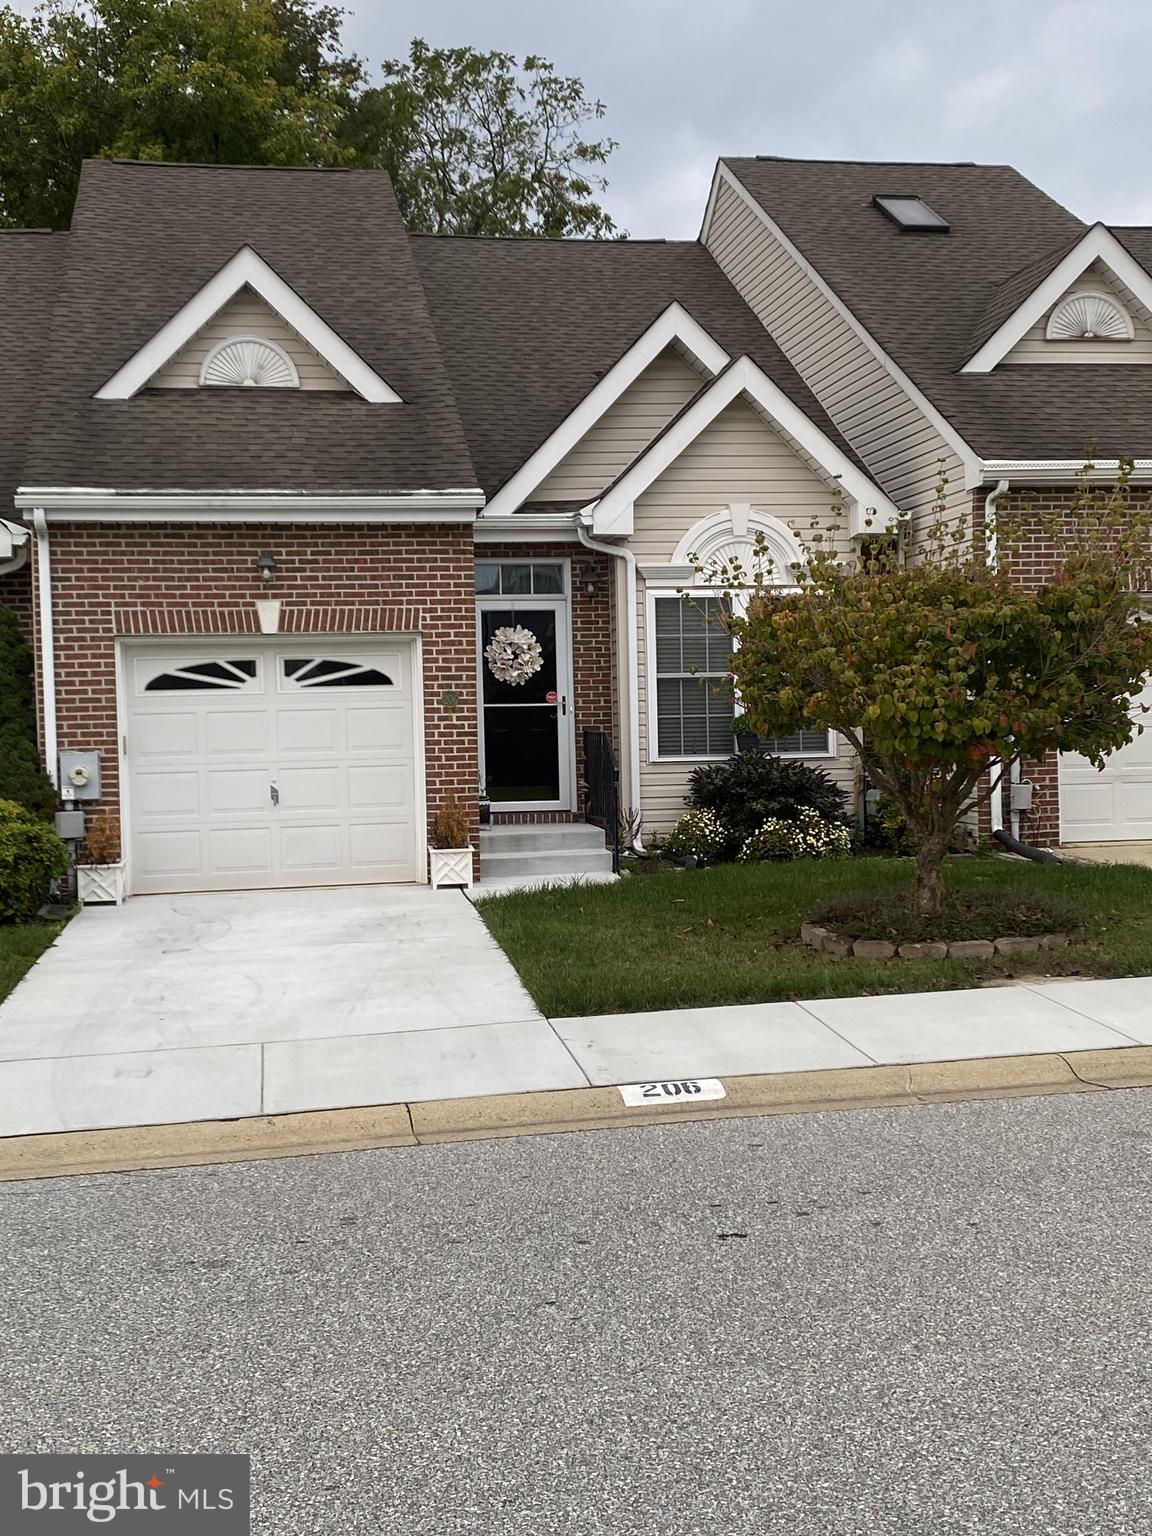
x: 731, y: 935
x: 20, y: 948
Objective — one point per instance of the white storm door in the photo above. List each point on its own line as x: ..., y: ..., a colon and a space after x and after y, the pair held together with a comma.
x: 251, y: 766
x: 1112, y: 804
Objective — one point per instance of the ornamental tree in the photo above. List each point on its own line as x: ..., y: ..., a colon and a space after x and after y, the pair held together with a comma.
x: 936, y: 670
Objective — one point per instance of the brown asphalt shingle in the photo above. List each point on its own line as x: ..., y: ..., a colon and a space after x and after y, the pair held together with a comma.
x: 144, y: 239
x: 30, y: 265
x: 930, y: 300
x: 528, y: 327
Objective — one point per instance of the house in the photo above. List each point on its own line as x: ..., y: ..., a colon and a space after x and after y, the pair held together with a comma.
x: 280, y: 478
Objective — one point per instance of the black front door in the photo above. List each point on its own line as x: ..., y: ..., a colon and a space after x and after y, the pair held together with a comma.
x: 525, y: 723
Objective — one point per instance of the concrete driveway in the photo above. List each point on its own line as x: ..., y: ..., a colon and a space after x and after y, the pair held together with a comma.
x: 175, y: 1008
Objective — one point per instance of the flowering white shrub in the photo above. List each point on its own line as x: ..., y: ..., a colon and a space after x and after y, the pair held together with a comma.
x: 697, y: 832
x: 807, y: 836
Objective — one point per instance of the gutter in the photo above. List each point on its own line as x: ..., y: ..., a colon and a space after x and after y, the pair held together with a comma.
x: 630, y: 732
x: 47, y: 643
x: 14, y: 543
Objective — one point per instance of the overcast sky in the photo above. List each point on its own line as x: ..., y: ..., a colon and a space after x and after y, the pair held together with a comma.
x: 1058, y: 88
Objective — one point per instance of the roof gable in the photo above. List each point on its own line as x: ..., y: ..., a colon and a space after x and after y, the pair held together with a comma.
x: 869, y: 510
x: 1098, y: 246
x: 247, y: 269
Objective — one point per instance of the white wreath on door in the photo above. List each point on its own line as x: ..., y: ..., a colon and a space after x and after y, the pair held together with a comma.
x: 513, y: 655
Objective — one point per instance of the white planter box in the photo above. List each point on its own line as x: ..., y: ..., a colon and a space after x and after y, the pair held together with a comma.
x: 450, y: 866
x: 100, y: 884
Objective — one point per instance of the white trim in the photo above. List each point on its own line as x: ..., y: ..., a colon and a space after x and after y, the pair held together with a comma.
x: 738, y: 522
x: 947, y: 431
x: 101, y: 506
x: 47, y: 646
x: 559, y: 603
x: 1109, y: 299
x: 261, y: 341
x: 674, y: 324
x: 246, y: 269
x: 1064, y: 471
x: 525, y: 528
x: 652, y: 595
x: 611, y: 514
x: 1098, y: 244
x: 15, y: 541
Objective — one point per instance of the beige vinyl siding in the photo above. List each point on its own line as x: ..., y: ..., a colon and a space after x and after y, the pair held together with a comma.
x: 901, y: 448
x: 625, y: 429
x: 1034, y: 347
x: 246, y: 315
x: 737, y: 458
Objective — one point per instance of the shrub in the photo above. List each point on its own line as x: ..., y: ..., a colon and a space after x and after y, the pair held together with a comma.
x: 699, y: 833
x: 31, y: 856
x: 886, y: 831
x: 450, y: 825
x: 101, y: 840
x: 808, y: 835
x: 21, y: 777
x: 747, y: 790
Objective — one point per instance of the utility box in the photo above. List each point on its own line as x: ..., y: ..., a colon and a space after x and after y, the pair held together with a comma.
x: 1021, y: 799
x: 79, y: 775
x: 70, y: 826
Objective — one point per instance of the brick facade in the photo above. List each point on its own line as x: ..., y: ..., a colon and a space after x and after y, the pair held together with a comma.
x: 112, y: 580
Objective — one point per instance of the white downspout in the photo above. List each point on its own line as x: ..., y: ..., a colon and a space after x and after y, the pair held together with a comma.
x: 996, y: 803
x: 630, y: 727
x: 47, y: 641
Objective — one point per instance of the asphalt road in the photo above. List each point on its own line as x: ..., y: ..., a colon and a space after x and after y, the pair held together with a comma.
x: 881, y: 1323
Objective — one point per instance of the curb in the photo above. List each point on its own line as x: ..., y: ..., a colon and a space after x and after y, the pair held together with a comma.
x: 314, y: 1132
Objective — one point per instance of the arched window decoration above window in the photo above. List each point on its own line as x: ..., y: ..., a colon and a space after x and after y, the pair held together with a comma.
x: 1090, y: 316
x: 745, y: 539
x: 249, y: 362
x: 326, y: 672
x: 201, y: 675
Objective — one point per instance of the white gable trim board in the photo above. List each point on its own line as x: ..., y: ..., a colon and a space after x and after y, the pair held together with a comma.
x: 967, y: 455
x: 675, y: 324
x: 1098, y: 244
x: 869, y: 510
x: 246, y: 269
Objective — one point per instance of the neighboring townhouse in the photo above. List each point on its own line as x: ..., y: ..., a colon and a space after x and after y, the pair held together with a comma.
x: 279, y: 471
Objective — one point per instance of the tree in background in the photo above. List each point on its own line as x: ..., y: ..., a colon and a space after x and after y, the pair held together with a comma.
x: 936, y: 670
x: 21, y: 777
x: 474, y: 143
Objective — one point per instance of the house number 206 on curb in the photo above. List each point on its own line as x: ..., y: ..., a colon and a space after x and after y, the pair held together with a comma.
x: 682, y: 1090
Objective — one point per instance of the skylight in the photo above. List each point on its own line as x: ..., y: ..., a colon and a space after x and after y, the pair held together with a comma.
x: 911, y: 213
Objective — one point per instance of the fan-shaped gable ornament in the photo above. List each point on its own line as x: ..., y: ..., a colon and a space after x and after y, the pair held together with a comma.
x: 1089, y: 317
x: 249, y: 362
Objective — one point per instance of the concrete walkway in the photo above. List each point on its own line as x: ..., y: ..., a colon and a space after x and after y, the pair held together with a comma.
x: 183, y: 1008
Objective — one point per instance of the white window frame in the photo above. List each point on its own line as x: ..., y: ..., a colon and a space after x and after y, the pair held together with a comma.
x: 654, y: 755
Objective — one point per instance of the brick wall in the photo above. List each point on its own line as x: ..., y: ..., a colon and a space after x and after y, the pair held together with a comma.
x: 592, y: 632
x: 111, y: 579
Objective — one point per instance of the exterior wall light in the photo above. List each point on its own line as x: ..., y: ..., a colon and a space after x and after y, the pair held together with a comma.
x: 589, y: 578
x: 266, y: 565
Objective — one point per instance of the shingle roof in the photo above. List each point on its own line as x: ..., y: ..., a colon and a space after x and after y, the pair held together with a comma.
x: 30, y: 264
x: 527, y: 327
x: 930, y: 299
x: 144, y: 240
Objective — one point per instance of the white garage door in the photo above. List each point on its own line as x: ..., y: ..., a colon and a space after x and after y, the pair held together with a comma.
x: 252, y: 766
x: 1113, y: 804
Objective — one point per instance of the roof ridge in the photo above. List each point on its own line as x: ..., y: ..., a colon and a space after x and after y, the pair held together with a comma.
x: 836, y: 160
x: 230, y: 165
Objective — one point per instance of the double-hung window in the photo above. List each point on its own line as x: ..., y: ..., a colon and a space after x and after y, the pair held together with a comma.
x: 691, y: 659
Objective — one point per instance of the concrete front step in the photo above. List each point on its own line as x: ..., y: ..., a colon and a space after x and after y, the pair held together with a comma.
x: 546, y: 837
x: 547, y: 861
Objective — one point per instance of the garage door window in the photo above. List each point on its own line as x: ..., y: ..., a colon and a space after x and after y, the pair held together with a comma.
x: 201, y: 675
x: 328, y: 672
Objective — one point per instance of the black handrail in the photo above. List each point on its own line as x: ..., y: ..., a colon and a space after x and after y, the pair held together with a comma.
x: 602, y: 782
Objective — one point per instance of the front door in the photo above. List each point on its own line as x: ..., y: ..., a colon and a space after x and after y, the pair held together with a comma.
x: 526, y: 736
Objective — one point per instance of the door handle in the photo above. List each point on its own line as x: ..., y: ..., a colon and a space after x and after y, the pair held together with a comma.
x: 274, y: 791
x: 563, y: 703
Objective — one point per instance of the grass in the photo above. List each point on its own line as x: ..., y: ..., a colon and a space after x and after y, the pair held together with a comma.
x: 981, y: 913
x: 731, y: 934
x: 20, y: 947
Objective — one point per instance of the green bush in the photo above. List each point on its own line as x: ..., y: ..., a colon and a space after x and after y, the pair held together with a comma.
x: 21, y: 777
x: 807, y: 835
x: 699, y: 833
x: 747, y: 790
x: 886, y: 831
x: 31, y: 856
